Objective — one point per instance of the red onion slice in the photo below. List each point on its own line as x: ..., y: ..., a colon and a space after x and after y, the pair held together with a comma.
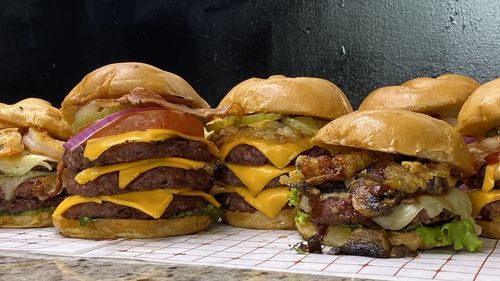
x: 468, y: 139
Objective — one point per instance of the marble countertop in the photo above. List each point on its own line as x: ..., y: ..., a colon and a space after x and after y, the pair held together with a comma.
x: 21, y: 266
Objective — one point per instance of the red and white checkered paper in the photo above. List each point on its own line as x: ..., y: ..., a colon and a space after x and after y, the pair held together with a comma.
x: 225, y: 246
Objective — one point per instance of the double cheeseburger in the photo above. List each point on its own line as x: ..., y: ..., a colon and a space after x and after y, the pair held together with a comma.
x: 441, y: 97
x: 479, y: 122
x: 387, y: 186
x: 138, y: 164
x: 259, y: 143
x: 30, y: 147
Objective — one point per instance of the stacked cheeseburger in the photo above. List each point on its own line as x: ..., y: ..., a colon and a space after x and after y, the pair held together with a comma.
x: 138, y: 165
x: 440, y: 97
x: 30, y: 147
x: 259, y: 143
x: 479, y: 122
x: 387, y: 186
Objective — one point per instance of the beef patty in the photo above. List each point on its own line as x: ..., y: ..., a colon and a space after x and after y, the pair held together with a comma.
x: 161, y: 177
x: 109, y: 210
x: 20, y: 205
x: 244, y: 154
x: 234, y: 202
x: 134, y: 151
x: 227, y: 177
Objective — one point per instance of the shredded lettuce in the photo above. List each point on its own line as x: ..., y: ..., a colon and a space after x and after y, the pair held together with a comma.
x: 459, y: 233
x: 85, y: 220
x: 293, y: 197
x: 213, y: 212
x: 301, y: 217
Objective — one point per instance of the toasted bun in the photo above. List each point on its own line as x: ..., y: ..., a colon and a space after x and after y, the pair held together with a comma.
x: 256, y: 220
x: 33, y: 112
x: 27, y: 219
x: 305, y: 96
x: 409, y: 239
x: 113, y: 81
x: 131, y: 228
x: 480, y: 113
x: 399, y: 132
x: 443, y: 95
x: 490, y: 229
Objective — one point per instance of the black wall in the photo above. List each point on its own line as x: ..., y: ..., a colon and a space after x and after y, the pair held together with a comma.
x: 46, y: 46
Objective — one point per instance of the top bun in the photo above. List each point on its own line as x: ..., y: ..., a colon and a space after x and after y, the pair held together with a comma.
x: 304, y: 96
x: 113, y: 81
x: 33, y: 112
x: 481, y: 112
x: 443, y: 95
x: 398, y: 132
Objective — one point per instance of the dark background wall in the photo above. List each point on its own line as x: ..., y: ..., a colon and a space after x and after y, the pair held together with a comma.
x: 46, y: 46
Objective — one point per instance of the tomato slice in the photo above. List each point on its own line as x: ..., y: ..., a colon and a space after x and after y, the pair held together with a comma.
x: 154, y: 119
x: 492, y: 158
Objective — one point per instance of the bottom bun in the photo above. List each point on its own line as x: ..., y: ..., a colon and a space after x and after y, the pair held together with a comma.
x: 256, y: 220
x: 131, y: 228
x: 334, y: 238
x: 37, y: 218
x: 490, y: 229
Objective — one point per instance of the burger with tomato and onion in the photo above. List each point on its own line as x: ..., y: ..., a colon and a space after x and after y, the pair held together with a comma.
x: 30, y: 147
x: 386, y: 187
x: 260, y: 141
x: 440, y: 97
x: 138, y: 164
x: 479, y: 123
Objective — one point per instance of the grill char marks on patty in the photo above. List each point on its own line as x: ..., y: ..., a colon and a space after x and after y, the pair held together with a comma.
x: 244, y: 154
x: 161, y: 177
x: 134, y: 151
x: 109, y: 210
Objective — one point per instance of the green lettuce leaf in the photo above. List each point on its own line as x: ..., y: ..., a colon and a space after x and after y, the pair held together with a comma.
x: 459, y: 233
x: 213, y: 212
x: 293, y: 197
x: 301, y: 217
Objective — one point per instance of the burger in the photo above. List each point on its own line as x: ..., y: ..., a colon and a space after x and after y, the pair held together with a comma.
x: 441, y: 97
x: 386, y: 188
x: 30, y: 147
x: 479, y: 123
x: 259, y: 142
x: 138, y: 164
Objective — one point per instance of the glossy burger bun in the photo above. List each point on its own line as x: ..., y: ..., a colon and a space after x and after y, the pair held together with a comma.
x: 397, y: 132
x: 35, y: 218
x: 131, y: 228
x: 33, y: 112
x: 304, y: 96
x: 113, y: 81
x: 480, y: 113
x: 443, y: 95
x: 256, y: 220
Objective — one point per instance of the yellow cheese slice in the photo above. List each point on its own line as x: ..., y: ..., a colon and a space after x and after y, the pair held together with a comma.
x: 269, y: 202
x: 480, y: 199
x: 130, y: 170
x: 72, y: 201
x: 255, y: 178
x: 489, y: 177
x: 95, y: 147
x: 280, y: 154
x: 152, y: 202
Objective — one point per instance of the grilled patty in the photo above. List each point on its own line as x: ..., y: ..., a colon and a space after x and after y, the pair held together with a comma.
x: 234, y: 202
x: 109, y: 210
x: 21, y: 205
x: 161, y: 177
x: 134, y: 151
x: 244, y: 154
x: 226, y: 176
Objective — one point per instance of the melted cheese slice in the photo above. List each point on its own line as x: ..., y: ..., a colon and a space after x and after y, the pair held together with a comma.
x: 255, y: 178
x: 269, y: 202
x: 130, y: 170
x: 95, y: 147
x: 480, y: 199
x: 489, y: 177
x: 152, y: 202
x: 280, y: 154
